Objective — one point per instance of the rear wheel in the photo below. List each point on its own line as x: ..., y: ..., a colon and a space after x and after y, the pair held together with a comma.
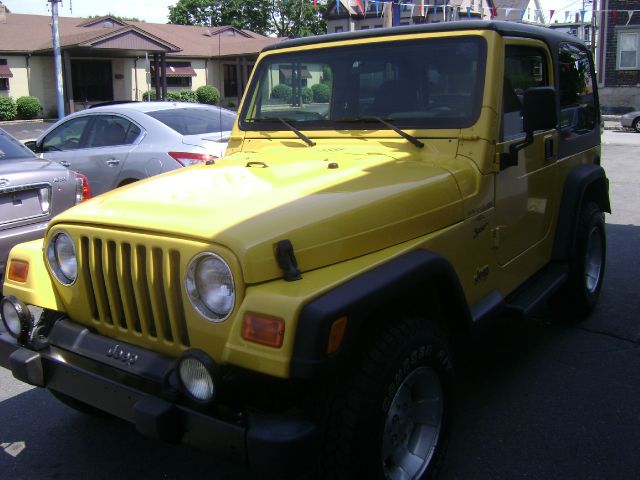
x: 390, y: 419
x: 577, y: 298
x: 636, y: 125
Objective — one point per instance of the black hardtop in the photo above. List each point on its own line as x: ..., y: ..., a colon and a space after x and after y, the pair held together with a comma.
x: 508, y: 29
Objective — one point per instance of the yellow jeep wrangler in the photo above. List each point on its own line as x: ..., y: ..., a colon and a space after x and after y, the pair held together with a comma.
x: 294, y: 304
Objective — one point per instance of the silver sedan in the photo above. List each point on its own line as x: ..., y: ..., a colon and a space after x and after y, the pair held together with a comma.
x: 114, y: 145
x: 631, y: 120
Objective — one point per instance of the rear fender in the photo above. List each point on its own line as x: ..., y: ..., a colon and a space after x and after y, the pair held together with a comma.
x: 38, y: 289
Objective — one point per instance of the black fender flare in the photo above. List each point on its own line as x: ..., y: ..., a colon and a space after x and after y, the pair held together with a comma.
x: 363, y: 297
x: 585, y: 182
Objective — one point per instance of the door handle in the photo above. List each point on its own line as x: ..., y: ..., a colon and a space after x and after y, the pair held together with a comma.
x: 112, y: 162
x: 64, y: 163
x: 548, y: 149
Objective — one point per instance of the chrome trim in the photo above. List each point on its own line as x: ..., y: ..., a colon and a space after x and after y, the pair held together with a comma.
x: 190, y: 287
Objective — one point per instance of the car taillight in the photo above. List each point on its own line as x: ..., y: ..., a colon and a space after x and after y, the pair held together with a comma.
x: 188, y: 158
x: 83, y: 192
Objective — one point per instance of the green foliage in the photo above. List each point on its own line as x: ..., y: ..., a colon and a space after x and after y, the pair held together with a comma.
x: 282, y: 92
x: 151, y: 94
x: 8, y: 109
x: 188, y: 96
x: 231, y: 104
x: 327, y: 74
x: 321, y: 93
x: 284, y: 18
x: 244, y: 14
x: 307, y: 95
x: 208, y: 94
x: 28, y: 107
x: 117, y: 17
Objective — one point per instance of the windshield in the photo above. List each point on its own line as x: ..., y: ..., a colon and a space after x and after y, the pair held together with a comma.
x: 195, y: 121
x: 429, y: 83
x: 11, y: 148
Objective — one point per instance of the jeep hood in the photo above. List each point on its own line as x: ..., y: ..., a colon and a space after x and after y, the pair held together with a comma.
x: 331, y: 210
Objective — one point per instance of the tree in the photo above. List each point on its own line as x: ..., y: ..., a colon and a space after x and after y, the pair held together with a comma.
x: 244, y: 14
x: 297, y: 18
x: 285, y: 18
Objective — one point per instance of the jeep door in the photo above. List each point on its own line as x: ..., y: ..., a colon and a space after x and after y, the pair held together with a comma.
x: 524, y: 192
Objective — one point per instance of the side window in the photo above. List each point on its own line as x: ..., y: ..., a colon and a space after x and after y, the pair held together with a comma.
x: 525, y: 67
x: 67, y: 136
x: 577, y: 103
x: 110, y: 130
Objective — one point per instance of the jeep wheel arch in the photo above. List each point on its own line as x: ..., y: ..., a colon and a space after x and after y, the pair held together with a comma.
x: 407, y: 280
x: 583, y: 184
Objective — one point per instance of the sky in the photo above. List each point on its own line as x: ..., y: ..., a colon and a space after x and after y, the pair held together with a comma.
x: 154, y: 11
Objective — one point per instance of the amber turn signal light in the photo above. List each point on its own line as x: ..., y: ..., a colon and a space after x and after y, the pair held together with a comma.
x: 263, y: 329
x: 336, y: 334
x: 18, y: 271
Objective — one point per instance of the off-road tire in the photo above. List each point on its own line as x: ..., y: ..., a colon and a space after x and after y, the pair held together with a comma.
x: 78, y: 406
x: 577, y: 298
x: 401, y: 358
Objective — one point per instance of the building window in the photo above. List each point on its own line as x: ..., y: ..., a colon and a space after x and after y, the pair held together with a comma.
x: 230, y: 80
x: 628, y: 50
x: 338, y: 29
x: 5, y: 74
x: 184, y: 82
x: 4, y: 84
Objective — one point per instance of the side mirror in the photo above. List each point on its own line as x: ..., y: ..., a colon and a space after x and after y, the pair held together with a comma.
x: 539, y: 109
x: 538, y: 113
x: 31, y: 145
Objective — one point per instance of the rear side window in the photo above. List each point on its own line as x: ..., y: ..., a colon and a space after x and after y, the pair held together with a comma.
x: 578, y: 114
x: 111, y: 130
x: 11, y: 148
x: 195, y: 121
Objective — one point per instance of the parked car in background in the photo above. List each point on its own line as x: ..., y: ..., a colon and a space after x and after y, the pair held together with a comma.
x: 32, y: 191
x: 631, y: 120
x: 114, y: 145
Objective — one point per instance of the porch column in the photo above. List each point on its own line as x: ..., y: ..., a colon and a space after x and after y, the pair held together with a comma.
x: 164, y: 76
x: 67, y: 84
x: 238, y: 80
x: 156, y: 75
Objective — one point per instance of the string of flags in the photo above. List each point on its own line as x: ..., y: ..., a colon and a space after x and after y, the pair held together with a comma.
x: 453, y: 12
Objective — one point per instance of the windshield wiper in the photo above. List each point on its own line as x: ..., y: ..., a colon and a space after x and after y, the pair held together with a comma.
x: 385, y: 122
x: 300, y: 135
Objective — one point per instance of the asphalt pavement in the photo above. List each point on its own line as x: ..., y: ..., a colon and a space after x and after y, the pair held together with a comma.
x: 535, y: 400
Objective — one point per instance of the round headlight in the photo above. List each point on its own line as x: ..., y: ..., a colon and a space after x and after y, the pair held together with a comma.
x: 196, y: 373
x: 210, y: 287
x: 62, y: 258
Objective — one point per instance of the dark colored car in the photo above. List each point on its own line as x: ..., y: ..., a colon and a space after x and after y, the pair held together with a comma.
x: 32, y: 191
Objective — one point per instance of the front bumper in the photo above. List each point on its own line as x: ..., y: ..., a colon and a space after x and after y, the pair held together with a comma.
x: 76, y: 363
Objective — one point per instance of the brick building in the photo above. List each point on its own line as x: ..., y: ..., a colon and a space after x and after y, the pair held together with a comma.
x: 618, y: 56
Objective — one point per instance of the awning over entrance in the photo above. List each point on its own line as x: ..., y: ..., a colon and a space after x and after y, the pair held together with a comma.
x: 178, y: 69
x: 5, y: 71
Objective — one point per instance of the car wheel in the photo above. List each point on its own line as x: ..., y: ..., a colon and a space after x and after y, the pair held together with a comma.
x: 636, y: 124
x: 577, y: 298
x: 390, y: 419
x: 78, y: 406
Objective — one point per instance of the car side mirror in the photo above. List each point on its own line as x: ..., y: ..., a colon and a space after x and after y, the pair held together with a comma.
x: 31, y: 145
x: 538, y: 113
x: 539, y: 109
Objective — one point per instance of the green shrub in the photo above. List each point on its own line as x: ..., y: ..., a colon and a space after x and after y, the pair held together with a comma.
x: 188, y: 96
x: 28, y: 107
x: 307, y: 95
x: 150, y: 94
x: 321, y: 93
x: 282, y: 92
x: 8, y: 109
x: 231, y: 104
x: 208, y: 94
x: 174, y: 97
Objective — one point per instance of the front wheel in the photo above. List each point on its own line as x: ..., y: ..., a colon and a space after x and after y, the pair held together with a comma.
x: 391, y: 417
x: 636, y: 125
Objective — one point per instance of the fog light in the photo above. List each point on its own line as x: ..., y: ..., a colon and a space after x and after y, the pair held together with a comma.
x: 16, y: 318
x: 196, y: 376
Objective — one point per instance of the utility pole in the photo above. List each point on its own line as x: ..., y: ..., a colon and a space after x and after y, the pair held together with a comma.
x: 57, y: 59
